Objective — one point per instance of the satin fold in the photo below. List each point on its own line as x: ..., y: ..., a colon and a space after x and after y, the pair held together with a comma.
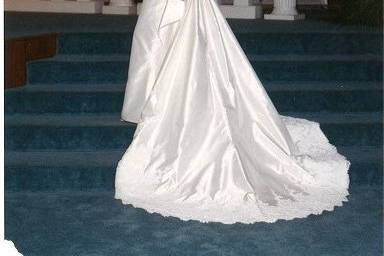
x: 210, y: 144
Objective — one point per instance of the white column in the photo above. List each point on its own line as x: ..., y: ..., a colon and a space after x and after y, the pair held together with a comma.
x: 242, y: 9
x: 284, y: 10
x: 123, y: 7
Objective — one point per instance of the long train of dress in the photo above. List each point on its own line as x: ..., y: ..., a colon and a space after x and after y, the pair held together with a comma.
x: 210, y: 145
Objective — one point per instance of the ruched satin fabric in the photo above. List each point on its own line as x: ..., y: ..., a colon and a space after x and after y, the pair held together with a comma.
x: 210, y: 145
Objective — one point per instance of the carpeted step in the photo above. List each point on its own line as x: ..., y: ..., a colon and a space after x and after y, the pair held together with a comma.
x: 93, y: 69
x: 72, y: 170
x: 311, y: 43
x: 294, y: 97
x: 366, y: 164
x: 94, y: 223
x: 61, y: 170
x: 348, y: 129
x: 70, y: 159
x: 79, y: 69
x: 95, y: 43
x: 67, y: 132
x: 251, y: 42
x: 107, y: 132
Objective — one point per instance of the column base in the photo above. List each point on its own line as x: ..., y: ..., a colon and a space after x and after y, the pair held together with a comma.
x: 54, y: 6
x: 235, y: 12
x: 119, y: 10
x: 242, y: 11
x: 284, y: 17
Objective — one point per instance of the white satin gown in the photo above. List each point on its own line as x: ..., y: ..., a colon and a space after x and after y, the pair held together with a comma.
x: 210, y: 145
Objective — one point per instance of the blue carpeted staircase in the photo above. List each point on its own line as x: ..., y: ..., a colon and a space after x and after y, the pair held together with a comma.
x: 64, y: 138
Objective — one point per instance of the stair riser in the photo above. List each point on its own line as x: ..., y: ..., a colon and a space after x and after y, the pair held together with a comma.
x: 49, y: 71
x: 95, y: 43
x: 63, y: 102
x: 256, y: 43
x: 45, y: 178
x: 59, y: 178
x: 311, y: 43
x: 46, y: 72
x: 22, y: 138
x: 318, y: 70
x: 111, y: 102
x: 364, y: 134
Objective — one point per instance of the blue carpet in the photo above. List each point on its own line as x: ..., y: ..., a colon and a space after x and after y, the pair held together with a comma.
x: 287, y: 96
x: 97, y: 132
x: 64, y: 137
x: 95, y: 170
x: 252, y: 42
x: 21, y: 24
x: 113, y: 68
x: 95, y: 224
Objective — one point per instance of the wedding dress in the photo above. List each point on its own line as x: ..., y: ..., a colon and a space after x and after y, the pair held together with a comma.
x: 210, y: 145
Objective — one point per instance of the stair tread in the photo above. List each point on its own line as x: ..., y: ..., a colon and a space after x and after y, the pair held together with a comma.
x: 364, y: 153
x: 108, y: 157
x: 345, y: 31
x: 63, y: 158
x: 27, y: 25
x: 251, y: 57
x: 322, y: 117
x: 315, y: 57
x: 66, y: 120
x: 270, y: 86
x: 113, y: 119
